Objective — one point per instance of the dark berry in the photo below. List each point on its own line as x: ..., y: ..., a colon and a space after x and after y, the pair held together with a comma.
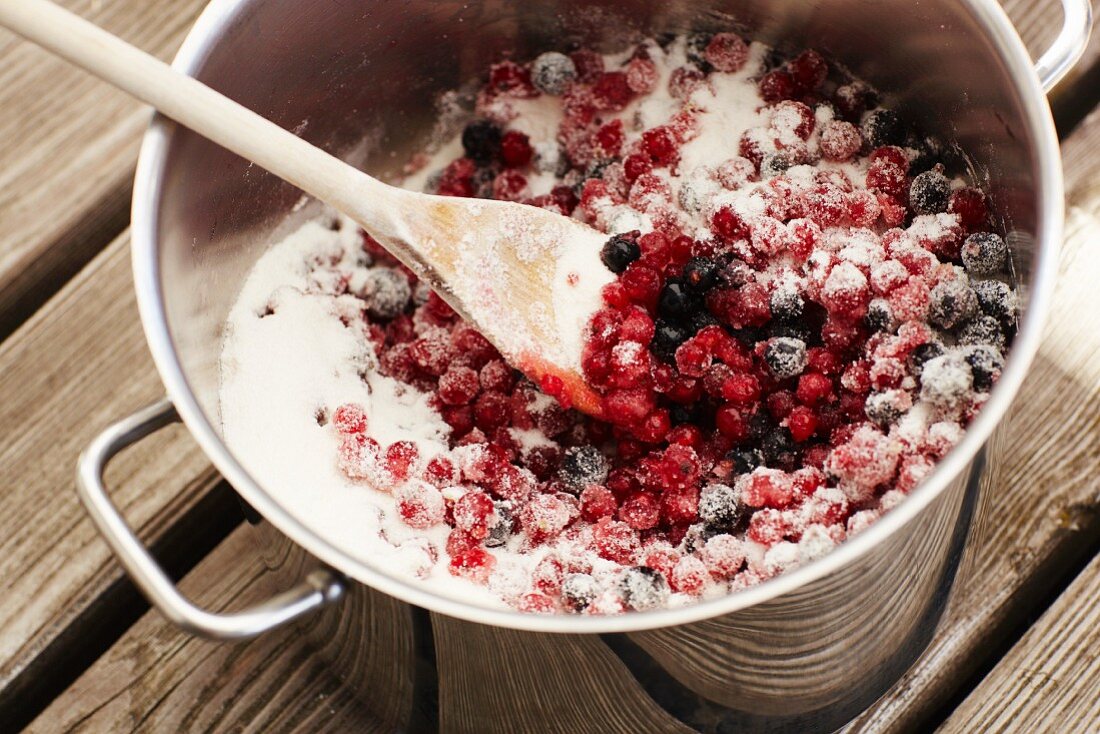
x: 578, y: 590
x: 720, y: 507
x: 785, y: 357
x: 883, y: 127
x: 386, y: 292
x: 929, y: 153
x: 774, y: 164
x: 923, y: 353
x: 701, y: 319
x: 951, y: 304
x: 996, y: 299
x: 786, y: 304
x: 778, y: 447
x: 984, y: 330
x: 882, y: 408
x: 879, y: 316
x: 785, y: 330
x: 668, y: 336
x: 618, y: 252
x: 552, y: 72
x: 643, y: 588
x: 700, y: 274
x: 499, y: 533
x: 481, y: 141
x: 583, y: 465
x: 743, y: 461
x: 984, y: 254
x: 929, y: 192
x: 985, y: 364
x: 676, y: 301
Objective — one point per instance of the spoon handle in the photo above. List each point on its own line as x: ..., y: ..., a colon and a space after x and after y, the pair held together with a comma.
x: 200, y: 108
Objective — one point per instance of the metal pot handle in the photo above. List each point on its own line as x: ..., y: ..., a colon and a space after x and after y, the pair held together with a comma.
x: 1068, y: 46
x: 320, y: 587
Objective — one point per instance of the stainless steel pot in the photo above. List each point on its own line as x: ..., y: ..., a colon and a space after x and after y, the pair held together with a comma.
x: 802, y: 652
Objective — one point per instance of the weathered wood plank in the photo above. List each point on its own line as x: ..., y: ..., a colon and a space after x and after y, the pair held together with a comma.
x: 67, y: 160
x: 78, y: 364
x: 156, y: 679
x: 1046, y: 509
x: 1051, y: 679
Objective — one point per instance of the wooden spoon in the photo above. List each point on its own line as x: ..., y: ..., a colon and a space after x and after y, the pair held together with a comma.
x: 528, y: 279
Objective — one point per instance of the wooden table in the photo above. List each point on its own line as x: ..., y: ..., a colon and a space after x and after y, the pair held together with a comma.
x: 1019, y: 648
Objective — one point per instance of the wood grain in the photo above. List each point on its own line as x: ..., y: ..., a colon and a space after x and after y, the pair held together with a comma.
x: 68, y: 155
x: 1051, y: 678
x: 157, y: 679
x: 1046, y: 508
x: 76, y: 366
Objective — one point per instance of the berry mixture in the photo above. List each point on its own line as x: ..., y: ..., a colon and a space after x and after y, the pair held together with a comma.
x: 807, y: 310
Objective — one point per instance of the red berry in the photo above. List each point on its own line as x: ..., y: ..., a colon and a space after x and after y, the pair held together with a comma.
x: 515, y: 149
x: 401, y: 459
x: 475, y: 564
x: 970, y: 206
x: 840, y: 140
x: 813, y: 388
x: 611, y: 91
x: 615, y: 541
x: 475, y: 514
x: 420, y: 505
x: 350, y: 418
x: 458, y: 385
x: 729, y: 225
x: 597, y: 501
x: 659, y: 144
x: 641, y: 512
x: 509, y: 185
x: 536, y: 604
x: 641, y: 75
x: 635, y: 165
x: 726, y: 52
x: 731, y: 423
x: 609, y: 138
x: 589, y: 65
x: 802, y: 423
x: 689, y: 576
x: 809, y: 70
x: 777, y: 85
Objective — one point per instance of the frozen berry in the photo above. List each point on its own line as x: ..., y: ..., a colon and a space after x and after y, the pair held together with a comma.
x: 720, y: 506
x: 643, y: 588
x: 515, y: 149
x: 984, y: 254
x: 996, y: 299
x: 386, y: 292
x: 928, y: 193
x: 582, y: 466
x: 619, y: 252
x: 458, y: 385
x: 946, y: 382
x: 923, y: 353
x: 350, y: 418
x: 883, y: 127
x: 700, y: 274
x: 840, y: 140
x: 420, y: 504
x: 552, y: 72
x: 785, y: 357
x: 475, y: 564
x: 970, y: 207
x: 809, y: 70
x: 983, y: 330
x: 578, y: 590
x: 951, y: 304
x: 777, y: 85
x: 481, y: 141
x: 986, y: 364
x: 726, y: 52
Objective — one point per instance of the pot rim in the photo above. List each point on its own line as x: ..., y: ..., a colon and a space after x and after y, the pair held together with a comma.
x: 210, y: 26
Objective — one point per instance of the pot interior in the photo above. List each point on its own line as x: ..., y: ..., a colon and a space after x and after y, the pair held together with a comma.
x: 361, y: 80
